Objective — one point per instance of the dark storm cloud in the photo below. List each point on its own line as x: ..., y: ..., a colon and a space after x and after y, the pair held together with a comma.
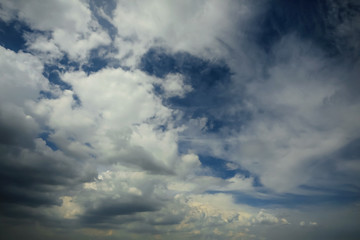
x: 113, y: 213
x: 15, y: 129
x: 105, y: 210
x: 31, y: 178
x: 31, y: 174
x: 115, y: 207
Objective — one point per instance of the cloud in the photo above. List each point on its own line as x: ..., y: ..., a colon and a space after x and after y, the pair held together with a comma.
x: 17, y: 128
x: 37, y: 177
x: 294, y: 124
x: 177, y: 24
x: 179, y: 120
x: 85, y: 138
x: 206, y: 211
x: 22, y: 77
x: 70, y: 23
x: 173, y: 86
x: 110, y: 208
x: 303, y: 223
x: 266, y: 218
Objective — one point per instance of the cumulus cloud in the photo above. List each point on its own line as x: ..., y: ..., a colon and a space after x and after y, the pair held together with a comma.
x: 173, y: 86
x: 266, y: 218
x: 70, y: 23
x: 21, y: 77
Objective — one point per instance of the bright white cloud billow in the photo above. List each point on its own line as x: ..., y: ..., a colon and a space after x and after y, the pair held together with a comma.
x: 70, y: 24
x: 179, y: 119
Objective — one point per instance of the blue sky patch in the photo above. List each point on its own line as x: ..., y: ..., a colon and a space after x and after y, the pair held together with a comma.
x: 107, y: 6
x: 312, y: 20
x: 208, y: 80
x: 219, y: 168
x: 45, y: 136
x: 12, y: 35
x: 297, y: 200
x: 98, y: 61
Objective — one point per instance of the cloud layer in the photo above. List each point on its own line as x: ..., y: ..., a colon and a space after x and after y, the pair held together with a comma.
x: 179, y: 120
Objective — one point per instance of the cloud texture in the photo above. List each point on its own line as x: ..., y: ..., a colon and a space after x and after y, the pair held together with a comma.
x: 179, y: 119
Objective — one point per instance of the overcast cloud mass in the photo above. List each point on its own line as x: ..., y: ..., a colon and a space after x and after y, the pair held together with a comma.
x: 160, y: 119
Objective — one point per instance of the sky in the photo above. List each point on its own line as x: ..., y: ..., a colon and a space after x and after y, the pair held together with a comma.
x: 157, y: 119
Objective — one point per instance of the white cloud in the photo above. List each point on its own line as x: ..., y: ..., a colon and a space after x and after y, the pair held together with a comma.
x: 218, y: 209
x: 21, y: 77
x: 70, y: 23
x: 174, y: 86
x: 266, y: 218
x: 116, y: 121
x: 46, y: 49
x: 195, y: 27
x: 45, y: 15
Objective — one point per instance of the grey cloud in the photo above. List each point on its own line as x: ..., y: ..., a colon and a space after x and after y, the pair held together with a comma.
x: 298, y: 101
x: 138, y: 157
x: 166, y: 219
x: 340, y: 169
x: 16, y: 128
x: 173, y: 212
x: 31, y: 178
x: 113, y: 207
x: 143, y: 228
x: 104, y: 211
